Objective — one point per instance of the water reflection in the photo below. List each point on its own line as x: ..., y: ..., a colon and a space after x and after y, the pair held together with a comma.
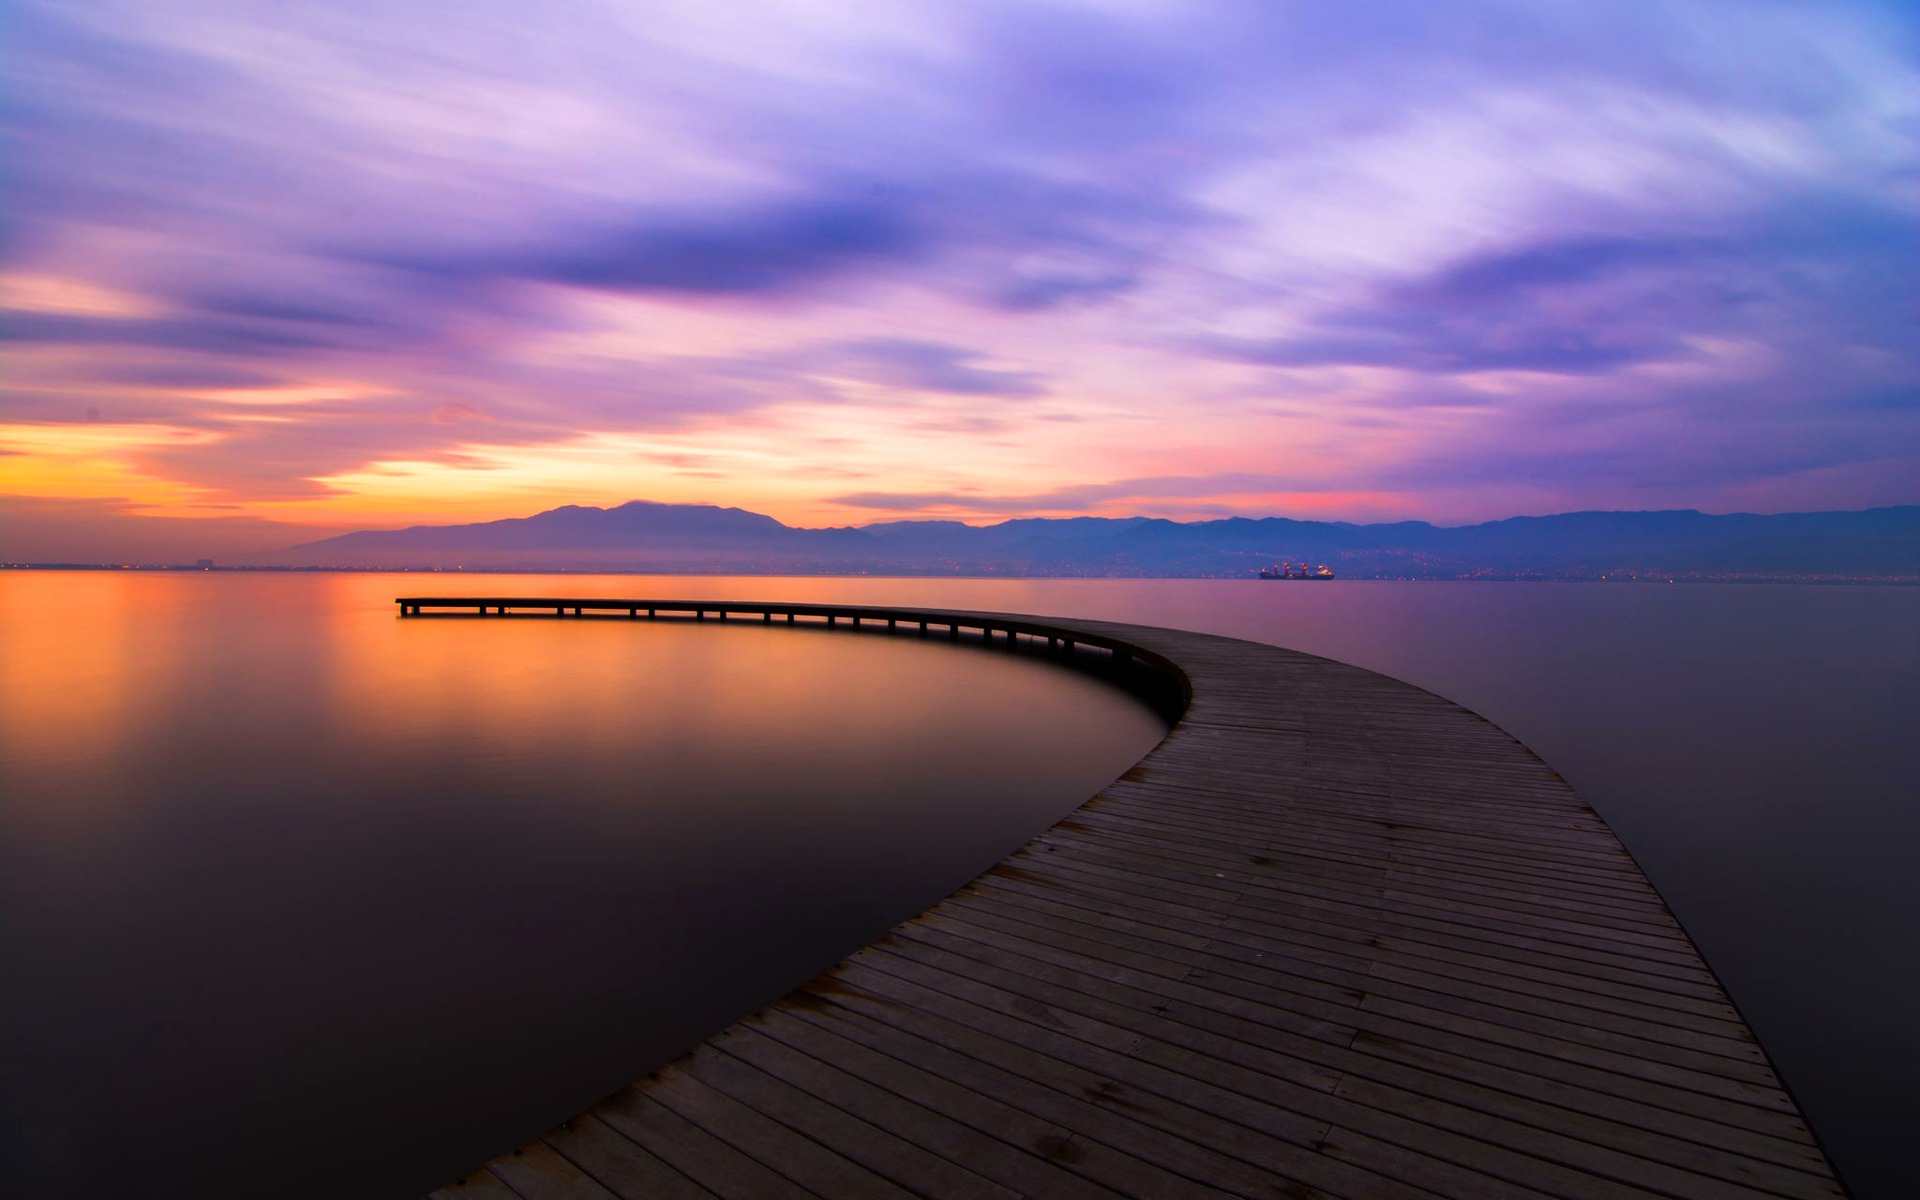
x: 1753, y: 745
x: 301, y: 892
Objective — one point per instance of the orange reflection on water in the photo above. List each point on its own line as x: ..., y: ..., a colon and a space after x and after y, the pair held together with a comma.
x: 103, y: 674
x: 732, y: 695
x: 299, y: 822
x: 81, y: 655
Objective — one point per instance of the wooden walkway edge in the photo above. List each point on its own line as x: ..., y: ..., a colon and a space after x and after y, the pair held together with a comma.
x: 1334, y: 937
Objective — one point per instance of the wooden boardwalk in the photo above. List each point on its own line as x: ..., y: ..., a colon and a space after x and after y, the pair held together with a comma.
x: 1335, y: 936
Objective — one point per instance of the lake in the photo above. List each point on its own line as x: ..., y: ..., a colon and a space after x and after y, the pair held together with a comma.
x: 296, y: 891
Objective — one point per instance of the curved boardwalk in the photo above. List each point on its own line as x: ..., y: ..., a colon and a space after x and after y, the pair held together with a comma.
x: 1335, y: 936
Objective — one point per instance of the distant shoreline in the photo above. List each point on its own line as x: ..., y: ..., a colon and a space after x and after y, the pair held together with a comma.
x: 1623, y: 577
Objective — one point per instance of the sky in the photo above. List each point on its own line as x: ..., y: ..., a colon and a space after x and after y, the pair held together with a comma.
x: 271, y: 270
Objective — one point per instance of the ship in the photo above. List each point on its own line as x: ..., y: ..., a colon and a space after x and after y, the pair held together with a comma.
x: 1292, y: 570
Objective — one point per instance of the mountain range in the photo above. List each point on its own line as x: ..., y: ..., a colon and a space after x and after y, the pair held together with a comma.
x: 1881, y: 543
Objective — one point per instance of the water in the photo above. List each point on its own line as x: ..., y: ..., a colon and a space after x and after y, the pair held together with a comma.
x: 302, y: 899
x: 1756, y: 747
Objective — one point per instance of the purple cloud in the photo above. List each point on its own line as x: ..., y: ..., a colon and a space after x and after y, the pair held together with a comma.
x: 934, y: 367
x: 1587, y: 304
x: 1559, y: 263
x: 1663, y: 213
x: 1078, y: 496
x: 774, y: 248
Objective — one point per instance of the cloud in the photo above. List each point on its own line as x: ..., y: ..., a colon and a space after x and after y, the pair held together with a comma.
x: 455, y: 413
x: 1017, y: 240
x: 186, y: 376
x: 1452, y: 347
x: 115, y: 530
x: 211, y: 335
x: 931, y: 366
x: 1589, y: 304
x: 1082, y: 496
x: 1504, y: 272
x: 1229, y: 228
x: 1044, y: 290
x: 1570, y: 307
x: 771, y: 248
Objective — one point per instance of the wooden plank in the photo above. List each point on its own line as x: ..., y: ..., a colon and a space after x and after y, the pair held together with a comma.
x: 876, y: 1150
x: 969, y: 1090
x: 1385, y: 880
x: 1729, y: 1038
x: 621, y: 1166
x: 1320, y: 943
x: 1182, y: 1005
x: 1442, y: 971
x: 538, y: 1172
x: 479, y: 1185
x: 1253, y: 1130
x: 1078, y: 1122
x: 1227, y: 1054
x: 1339, y: 855
x: 1190, y: 1142
x: 1358, y: 925
x: 1272, y: 978
x: 1185, y: 985
x: 751, y: 1132
x: 806, y: 1055
x: 1334, y: 937
x: 705, y: 1159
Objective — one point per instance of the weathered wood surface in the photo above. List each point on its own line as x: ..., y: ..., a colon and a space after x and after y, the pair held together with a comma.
x: 1335, y: 936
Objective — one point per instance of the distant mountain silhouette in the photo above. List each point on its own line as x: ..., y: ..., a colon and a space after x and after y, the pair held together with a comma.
x: 635, y: 524
x: 643, y: 536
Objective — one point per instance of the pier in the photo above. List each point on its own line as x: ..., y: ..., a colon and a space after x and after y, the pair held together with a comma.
x: 1334, y: 936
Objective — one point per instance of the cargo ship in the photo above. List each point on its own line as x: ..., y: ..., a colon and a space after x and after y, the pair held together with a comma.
x: 1289, y: 570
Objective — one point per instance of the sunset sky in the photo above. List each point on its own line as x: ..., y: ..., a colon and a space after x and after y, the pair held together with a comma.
x: 366, y: 264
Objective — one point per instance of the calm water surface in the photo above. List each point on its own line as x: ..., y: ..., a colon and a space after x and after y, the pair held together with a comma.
x: 472, y: 869
x: 304, y: 900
